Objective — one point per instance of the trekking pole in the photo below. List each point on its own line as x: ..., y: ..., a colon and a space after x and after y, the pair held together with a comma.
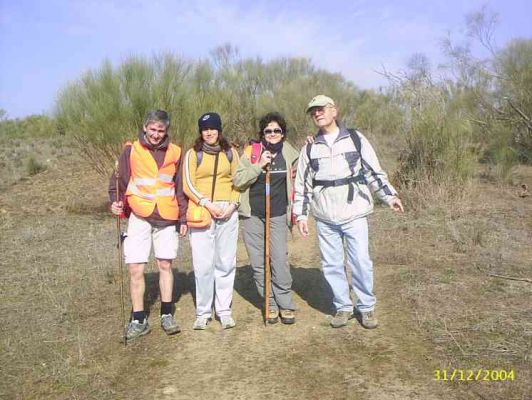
x: 120, y: 260
x: 267, y: 270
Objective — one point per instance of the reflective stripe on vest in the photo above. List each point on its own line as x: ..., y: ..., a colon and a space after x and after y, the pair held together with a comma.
x: 150, y: 186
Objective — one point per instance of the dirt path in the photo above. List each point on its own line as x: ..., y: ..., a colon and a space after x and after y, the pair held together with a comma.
x: 309, y: 360
x: 59, y: 273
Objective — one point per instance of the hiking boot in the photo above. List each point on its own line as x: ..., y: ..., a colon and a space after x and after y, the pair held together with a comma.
x: 200, y: 323
x: 288, y: 317
x: 273, y: 316
x: 368, y: 320
x: 169, y: 324
x: 227, y: 322
x: 136, y: 329
x: 341, y: 318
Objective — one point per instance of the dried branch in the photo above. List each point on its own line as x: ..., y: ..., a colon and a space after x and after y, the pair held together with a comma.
x: 512, y: 278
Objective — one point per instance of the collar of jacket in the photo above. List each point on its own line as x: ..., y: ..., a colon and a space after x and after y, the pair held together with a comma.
x: 343, y: 133
x: 162, y: 146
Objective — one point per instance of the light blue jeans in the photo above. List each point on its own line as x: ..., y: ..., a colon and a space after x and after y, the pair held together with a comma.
x: 331, y: 240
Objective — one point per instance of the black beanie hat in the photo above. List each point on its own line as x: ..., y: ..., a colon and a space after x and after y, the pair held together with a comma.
x: 210, y: 120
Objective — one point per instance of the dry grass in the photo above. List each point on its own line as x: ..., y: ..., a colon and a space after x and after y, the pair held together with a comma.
x: 445, y: 256
x: 60, y: 337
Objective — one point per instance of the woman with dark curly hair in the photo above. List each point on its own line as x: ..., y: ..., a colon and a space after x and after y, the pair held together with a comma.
x: 271, y: 150
x: 207, y: 181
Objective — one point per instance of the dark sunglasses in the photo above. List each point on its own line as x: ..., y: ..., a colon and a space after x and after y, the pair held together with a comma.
x: 277, y: 131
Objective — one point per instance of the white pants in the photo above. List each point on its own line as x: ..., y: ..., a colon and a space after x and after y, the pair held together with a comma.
x: 214, y: 260
x: 140, y: 234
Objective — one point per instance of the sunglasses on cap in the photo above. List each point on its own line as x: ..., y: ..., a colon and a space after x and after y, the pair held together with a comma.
x: 277, y: 131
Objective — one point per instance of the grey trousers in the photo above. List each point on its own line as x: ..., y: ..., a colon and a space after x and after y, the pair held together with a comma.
x: 253, y: 234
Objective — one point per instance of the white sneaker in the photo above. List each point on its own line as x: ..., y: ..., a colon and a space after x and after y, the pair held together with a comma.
x: 227, y: 322
x: 200, y: 323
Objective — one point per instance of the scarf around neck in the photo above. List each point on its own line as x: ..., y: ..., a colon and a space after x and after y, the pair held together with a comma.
x: 273, y: 148
x: 211, y: 149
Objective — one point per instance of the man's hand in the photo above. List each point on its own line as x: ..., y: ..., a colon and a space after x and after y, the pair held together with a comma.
x: 117, y: 207
x: 396, y: 205
x: 183, y: 228
x: 265, y: 159
x: 302, y: 225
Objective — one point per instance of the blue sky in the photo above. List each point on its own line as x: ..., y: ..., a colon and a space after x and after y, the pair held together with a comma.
x: 46, y: 44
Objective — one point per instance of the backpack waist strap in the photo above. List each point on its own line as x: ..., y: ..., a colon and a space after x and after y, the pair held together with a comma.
x: 350, y: 180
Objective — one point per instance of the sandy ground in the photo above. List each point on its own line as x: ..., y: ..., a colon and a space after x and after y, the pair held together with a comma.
x: 61, y: 333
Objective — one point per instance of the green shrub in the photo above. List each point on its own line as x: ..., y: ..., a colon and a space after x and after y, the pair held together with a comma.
x: 439, y: 156
x: 105, y: 107
x: 33, y: 167
x: 31, y: 126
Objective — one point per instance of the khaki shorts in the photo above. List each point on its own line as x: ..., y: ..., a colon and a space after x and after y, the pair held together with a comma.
x: 140, y: 233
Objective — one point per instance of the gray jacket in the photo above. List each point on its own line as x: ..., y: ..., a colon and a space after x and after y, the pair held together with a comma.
x: 330, y: 204
x: 246, y: 174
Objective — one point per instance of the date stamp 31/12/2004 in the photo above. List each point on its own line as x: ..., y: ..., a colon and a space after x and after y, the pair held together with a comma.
x: 465, y: 375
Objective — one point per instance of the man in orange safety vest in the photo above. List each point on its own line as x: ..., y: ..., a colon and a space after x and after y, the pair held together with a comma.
x: 151, y: 191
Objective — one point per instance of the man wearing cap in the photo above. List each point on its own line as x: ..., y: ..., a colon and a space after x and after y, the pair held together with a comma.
x: 151, y: 188
x: 336, y: 177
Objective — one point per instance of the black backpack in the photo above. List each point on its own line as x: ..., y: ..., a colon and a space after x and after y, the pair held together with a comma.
x: 354, y: 137
x: 351, y: 180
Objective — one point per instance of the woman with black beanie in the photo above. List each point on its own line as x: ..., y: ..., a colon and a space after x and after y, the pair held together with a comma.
x: 207, y: 181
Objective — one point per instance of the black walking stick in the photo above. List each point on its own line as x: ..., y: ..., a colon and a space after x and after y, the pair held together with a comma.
x: 120, y: 260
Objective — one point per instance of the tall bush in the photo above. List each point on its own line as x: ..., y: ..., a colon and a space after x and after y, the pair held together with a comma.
x: 105, y: 107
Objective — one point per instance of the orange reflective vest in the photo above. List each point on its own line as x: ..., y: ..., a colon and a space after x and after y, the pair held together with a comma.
x: 150, y: 186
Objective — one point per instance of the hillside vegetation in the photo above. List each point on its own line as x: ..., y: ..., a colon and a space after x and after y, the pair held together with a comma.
x: 452, y: 273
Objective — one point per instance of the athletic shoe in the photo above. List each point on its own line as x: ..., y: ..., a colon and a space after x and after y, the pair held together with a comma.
x: 169, y: 324
x: 136, y: 329
x: 341, y: 318
x: 200, y: 323
x: 368, y: 320
x: 227, y: 322
x: 288, y: 317
x: 273, y: 316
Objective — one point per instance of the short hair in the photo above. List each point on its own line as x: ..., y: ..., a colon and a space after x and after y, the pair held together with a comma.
x: 157, y: 116
x: 272, y: 117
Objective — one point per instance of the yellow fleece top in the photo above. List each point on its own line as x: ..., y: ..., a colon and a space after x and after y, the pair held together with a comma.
x: 197, y: 181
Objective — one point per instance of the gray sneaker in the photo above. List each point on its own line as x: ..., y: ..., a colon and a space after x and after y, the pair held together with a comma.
x: 341, y: 318
x: 169, y: 324
x: 136, y: 329
x: 227, y: 322
x: 200, y: 323
x: 368, y: 320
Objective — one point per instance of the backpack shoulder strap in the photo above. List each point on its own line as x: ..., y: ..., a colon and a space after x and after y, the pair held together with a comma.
x: 199, y: 157
x: 229, y: 154
x: 256, y: 151
x: 356, y: 140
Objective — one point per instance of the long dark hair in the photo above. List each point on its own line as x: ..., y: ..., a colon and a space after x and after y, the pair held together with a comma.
x: 224, y: 143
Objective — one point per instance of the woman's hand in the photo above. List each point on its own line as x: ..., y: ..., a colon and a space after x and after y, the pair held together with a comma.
x: 228, y: 211
x: 214, y: 210
x: 265, y: 159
